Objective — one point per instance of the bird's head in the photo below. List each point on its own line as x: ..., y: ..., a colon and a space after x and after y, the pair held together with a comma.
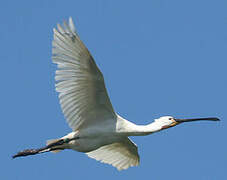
x: 169, y: 121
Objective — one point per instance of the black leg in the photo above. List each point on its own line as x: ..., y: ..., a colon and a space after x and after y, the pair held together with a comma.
x: 50, y: 147
x: 27, y: 152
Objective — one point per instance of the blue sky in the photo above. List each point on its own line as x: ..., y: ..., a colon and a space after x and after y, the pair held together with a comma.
x: 158, y: 57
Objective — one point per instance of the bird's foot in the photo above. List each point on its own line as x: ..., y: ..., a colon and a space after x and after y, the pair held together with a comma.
x: 26, y: 152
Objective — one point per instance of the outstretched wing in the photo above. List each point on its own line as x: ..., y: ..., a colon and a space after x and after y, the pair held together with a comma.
x: 121, y: 155
x: 83, y: 96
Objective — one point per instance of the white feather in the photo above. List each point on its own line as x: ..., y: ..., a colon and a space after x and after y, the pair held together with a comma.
x: 121, y: 155
x: 78, y: 79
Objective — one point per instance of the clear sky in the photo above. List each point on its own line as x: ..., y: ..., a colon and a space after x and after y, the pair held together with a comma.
x: 158, y: 57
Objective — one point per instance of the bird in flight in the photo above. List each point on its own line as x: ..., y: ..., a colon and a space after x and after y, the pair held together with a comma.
x: 97, y: 129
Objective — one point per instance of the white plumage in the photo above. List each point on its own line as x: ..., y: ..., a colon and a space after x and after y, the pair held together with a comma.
x: 121, y: 154
x: 97, y: 130
x: 80, y: 83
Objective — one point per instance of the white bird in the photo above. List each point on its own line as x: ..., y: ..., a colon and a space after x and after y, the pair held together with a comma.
x: 98, y: 130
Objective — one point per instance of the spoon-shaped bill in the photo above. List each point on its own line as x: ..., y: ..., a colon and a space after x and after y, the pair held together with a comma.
x: 197, y: 119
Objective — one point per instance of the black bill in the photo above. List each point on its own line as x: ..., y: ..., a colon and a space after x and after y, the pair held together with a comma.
x: 197, y: 119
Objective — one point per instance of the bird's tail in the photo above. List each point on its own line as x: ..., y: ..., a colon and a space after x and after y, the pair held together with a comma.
x: 52, y: 145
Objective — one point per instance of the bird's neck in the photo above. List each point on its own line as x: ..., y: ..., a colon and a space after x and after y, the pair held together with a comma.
x: 141, y: 130
x: 130, y: 129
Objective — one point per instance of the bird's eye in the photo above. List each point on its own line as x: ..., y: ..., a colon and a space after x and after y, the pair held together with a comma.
x: 170, y: 118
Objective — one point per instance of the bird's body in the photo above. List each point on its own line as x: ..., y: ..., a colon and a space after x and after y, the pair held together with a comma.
x: 107, y: 132
x: 98, y: 130
x: 93, y: 137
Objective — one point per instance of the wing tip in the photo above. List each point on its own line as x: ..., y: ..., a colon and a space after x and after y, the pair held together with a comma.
x: 71, y: 25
